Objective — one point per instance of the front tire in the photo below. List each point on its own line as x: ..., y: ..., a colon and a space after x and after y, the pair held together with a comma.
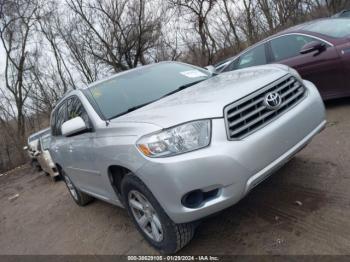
x: 78, y: 196
x: 151, y: 220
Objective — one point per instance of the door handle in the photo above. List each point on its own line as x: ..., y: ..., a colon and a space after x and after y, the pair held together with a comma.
x: 70, y: 148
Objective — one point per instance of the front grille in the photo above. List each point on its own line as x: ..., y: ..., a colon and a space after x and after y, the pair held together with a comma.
x: 251, y: 113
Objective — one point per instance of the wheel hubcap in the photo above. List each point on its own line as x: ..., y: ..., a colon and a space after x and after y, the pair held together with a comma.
x: 71, y: 187
x: 145, y: 215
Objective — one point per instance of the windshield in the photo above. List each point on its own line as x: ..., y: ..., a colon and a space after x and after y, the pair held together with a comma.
x: 336, y: 28
x: 45, y: 142
x: 141, y: 86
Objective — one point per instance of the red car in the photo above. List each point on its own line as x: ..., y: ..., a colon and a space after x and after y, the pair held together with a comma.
x: 318, y: 50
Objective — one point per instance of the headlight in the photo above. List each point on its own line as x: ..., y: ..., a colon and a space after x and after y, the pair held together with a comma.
x: 176, y: 140
x: 295, y: 73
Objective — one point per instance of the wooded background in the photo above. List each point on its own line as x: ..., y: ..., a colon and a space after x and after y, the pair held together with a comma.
x: 49, y: 47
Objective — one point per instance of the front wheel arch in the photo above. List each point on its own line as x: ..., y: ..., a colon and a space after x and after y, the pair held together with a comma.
x: 116, y: 174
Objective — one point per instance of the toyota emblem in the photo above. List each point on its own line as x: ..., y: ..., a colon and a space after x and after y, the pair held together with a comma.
x: 272, y: 100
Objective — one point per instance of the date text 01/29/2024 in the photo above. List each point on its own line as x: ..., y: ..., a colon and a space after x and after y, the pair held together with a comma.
x: 173, y: 258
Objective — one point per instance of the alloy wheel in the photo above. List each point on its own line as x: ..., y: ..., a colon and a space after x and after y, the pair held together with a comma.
x: 145, y: 215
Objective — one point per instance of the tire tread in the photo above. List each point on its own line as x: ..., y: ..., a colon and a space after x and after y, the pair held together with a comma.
x: 184, y: 234
x: 84, y: 198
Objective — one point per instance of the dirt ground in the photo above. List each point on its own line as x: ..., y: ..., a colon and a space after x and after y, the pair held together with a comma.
x: 304, y: 208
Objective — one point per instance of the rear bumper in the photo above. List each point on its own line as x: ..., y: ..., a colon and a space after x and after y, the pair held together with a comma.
x: 232, y: 167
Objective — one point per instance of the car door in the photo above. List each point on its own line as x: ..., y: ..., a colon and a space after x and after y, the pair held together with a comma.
x: 323, y: 68
x: 82, y: 167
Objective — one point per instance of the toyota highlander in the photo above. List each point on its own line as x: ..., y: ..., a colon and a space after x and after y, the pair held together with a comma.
x: 174, y: 143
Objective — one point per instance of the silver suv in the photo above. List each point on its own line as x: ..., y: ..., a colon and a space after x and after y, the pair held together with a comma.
x: 173, y: 143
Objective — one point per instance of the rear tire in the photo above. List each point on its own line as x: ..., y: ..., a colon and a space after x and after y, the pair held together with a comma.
x: 78, y: 196
x: 145, y: 210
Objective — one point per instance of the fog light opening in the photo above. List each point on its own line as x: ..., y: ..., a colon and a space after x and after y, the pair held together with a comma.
x: 196, y: 198
x: 193, y: 199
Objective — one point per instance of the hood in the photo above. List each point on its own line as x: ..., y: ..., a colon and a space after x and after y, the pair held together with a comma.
x: 206, y: 99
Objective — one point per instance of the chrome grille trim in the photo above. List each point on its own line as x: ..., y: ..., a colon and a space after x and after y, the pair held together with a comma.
x: 249, y: 114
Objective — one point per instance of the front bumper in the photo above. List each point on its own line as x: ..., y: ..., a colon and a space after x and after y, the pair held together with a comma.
x: 234, y: 167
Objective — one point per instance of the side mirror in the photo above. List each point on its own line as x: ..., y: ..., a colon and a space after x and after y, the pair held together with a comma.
x: 73, y: 126
x: 211, y: 70
x: 313, y: 46
x: 25, y: 148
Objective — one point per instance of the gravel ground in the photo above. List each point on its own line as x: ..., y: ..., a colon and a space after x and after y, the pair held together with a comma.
x: 302, y: 209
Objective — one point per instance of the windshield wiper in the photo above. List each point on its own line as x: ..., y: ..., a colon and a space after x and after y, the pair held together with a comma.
x: 131, y: 109
x: 182, y: 88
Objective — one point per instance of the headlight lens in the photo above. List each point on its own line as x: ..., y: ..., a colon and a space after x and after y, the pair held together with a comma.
x: 176, y: 140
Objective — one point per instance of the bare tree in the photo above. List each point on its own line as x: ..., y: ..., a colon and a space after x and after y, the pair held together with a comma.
x: 76, y: 40
x: 199, y: 10
x: 48, y: 18
x: 117, y: 33
x: 8, y: 142
x: 232, y: 22
x: 334, y: 6
x: 16, y: 25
